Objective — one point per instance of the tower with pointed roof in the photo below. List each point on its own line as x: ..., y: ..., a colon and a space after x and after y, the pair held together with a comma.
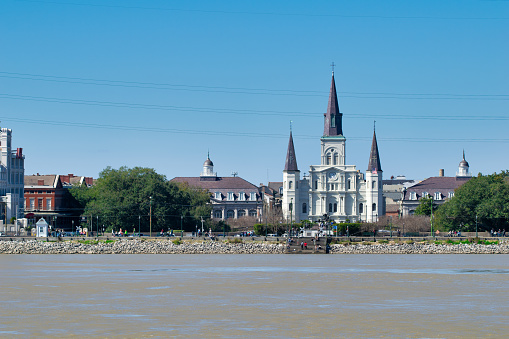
x: 291, y: 179
x: 333, y: 190
x: 374, y: 197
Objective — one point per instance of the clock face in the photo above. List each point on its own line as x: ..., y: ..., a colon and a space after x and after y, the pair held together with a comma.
x: 333, y: 175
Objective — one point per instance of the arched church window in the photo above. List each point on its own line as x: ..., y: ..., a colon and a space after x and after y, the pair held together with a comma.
x: 241, y: 213
x: 349, y: 184
x: 304, y: 208
x: 218, y: 214
x: 361, y: 208
x: 330, y: 207
x: 373, y: 184
x: 373, y: 208
x: 290, y: 184
x: 252, y: 213
x: 328, y: 159
x: 230, y: 214
x: 336, y: 159
x: 335, y: 207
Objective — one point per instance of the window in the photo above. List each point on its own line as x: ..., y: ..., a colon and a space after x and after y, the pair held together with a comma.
x: 242, y: 196
x: 330, y: 208
x: 48, y: 204
x: 413, y: 196
x: 231, y: 196
x: 333, y: 120
x: 450, y: 195
x: 335, y: 207
x: 252, y: 196
x: 373, y: 207
x: 218, y: 214
x: 328, y: 159
x: 373, y: 184
x: 217, y: 195
x: 304, y: 208
x: 241, y: 213
x: 438, y: 196
x: 230, y: 214
x: 290, y: 184
x: 361, y: 208
x: 336, y: 159
x: 281, y: 190
x: 425, y: 194
x: 39, y: 203
x: 252, y: 213
x: 349, y: 184
x: 316, y: 184
x: 32, y: 204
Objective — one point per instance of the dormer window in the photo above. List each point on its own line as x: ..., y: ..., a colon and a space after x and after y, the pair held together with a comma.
x: 242, y: 196
x: 413, y: 196
x: 231, y: 196
x: 425, y: 194
x: 438, y: 196
x: 217, y: 195
x: 252, y: 196
x: 450, y: 195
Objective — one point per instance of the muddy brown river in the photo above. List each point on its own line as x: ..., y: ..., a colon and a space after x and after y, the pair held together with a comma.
x: 253, y: 296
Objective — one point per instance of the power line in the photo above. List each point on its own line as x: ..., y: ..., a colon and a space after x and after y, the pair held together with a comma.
x: 390, y: 17
x: 239, y: 134
x: 243, y: 111
x: 244, y: 90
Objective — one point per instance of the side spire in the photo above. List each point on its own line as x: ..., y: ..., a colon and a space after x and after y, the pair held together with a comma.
x: 374, y: 157
x: 291, y: 160
x: 333, y: 122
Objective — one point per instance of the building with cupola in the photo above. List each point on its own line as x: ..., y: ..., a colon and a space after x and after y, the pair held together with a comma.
x: 333, y: 189
x: 440, y: 188
x: 230, y: 197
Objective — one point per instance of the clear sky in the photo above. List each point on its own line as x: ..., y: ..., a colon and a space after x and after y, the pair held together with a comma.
x: 86, y: 84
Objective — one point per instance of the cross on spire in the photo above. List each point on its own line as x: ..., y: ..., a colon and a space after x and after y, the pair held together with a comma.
x: 332, y: 65
x: 374, y: 123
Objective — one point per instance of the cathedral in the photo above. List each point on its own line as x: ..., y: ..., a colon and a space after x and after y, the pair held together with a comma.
x: 333, y: 190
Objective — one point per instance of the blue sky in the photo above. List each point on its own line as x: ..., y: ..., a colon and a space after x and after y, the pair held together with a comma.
x: 86, y: 84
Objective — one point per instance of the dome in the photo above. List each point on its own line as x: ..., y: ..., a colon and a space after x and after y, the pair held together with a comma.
x: 464, y: 163
x: 208, y: 162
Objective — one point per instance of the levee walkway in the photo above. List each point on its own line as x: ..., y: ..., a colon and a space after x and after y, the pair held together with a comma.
x: 307, y: 245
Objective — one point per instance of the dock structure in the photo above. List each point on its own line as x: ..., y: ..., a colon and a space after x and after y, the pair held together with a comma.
x: 308, y: 245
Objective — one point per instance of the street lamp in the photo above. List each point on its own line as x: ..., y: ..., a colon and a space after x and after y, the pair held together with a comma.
x: 291, y: 222
x: 181, y: 220
x: 150, y: 212
x: 139, y: 223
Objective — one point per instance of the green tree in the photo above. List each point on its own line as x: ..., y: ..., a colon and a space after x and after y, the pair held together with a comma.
x: 128, y: 197
x: 426, y: 204
x: 486, y: 197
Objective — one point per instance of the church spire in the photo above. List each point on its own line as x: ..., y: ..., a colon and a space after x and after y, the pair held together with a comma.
x: 333, y: 124
x: 291, y: 160
x: 374, y: 158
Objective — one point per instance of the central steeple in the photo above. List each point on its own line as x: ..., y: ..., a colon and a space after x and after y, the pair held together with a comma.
x: 333, y: 122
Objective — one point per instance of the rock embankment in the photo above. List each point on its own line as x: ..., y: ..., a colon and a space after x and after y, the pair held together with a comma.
x: 420, y: 248
x: 215, y: 247
x: 137, y: 247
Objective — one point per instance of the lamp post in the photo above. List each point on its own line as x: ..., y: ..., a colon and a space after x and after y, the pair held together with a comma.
x: 139, y: 223
x: 181, y: 221
x: 431, y: 218
x: 291, y: 221
x: 97, y: 219
x: 150, y: 213
x: 476, y: 227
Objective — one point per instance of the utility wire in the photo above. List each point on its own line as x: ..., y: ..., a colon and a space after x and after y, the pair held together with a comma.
x: 333, y: 15
x: 244, y: 90
x: 244, y: 111
x: 240, y: 134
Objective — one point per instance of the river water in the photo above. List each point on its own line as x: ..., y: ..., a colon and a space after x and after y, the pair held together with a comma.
x: 275, y: 296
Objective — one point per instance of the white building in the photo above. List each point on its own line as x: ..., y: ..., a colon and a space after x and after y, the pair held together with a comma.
x: 12, y: 173
x: 333, y: 189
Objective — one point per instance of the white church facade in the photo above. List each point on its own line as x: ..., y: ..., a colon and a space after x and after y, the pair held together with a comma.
x: 333, y: 189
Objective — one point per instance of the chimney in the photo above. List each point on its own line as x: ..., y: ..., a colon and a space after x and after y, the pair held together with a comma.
x: 441, y: 172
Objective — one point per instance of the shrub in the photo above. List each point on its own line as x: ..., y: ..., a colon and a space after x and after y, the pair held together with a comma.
x: 177, y: 241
